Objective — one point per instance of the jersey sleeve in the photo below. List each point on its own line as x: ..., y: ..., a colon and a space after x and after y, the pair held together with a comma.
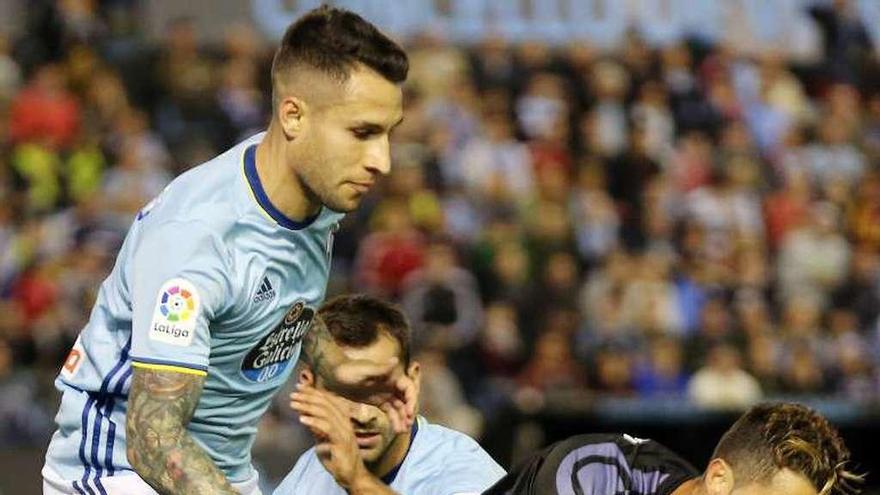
x: 470, y: 471
x: 179, y: 282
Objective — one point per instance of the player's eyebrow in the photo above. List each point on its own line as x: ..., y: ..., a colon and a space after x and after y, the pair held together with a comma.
x: 374, y: 127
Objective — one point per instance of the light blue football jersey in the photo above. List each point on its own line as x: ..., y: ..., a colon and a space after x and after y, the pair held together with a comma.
x: 211, y: 280
x: 440, y: 461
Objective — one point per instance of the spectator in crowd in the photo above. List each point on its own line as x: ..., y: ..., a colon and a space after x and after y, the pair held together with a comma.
x: 594, y: 217
x: 183, y: 80
x: 860, y: 290
x: 629, y: 174
x: 44, y: 111
x: 552, y: 366
x: 834, y: 157
x: 814, y: 257
x: 10, y: 72
x: 865, y: 213
x: 240, y: 100
x: 387, y: 255
x: 764, y: 358
x: 613, y: 372
x: 650, y: 301
x: 441, y: 397
x: 23, y: 420
x: 846, y: 42
x: 803, y: 375
x: 508, y: 275
x: 442, y: 300
x: 132, y: 182
x: 501, y: 343
x: 722, y: 383
x: 495, y: 164
x: 662, y: 373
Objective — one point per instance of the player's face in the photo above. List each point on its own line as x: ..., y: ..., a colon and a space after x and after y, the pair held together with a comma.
x: 784, y: 482
x: 720, y: 479
x: 345, y: 147
x: 372, y: 427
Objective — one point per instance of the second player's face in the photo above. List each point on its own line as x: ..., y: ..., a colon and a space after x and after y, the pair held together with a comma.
x: 372, y: 427
x: 784, y: 482
x: 346, y: 145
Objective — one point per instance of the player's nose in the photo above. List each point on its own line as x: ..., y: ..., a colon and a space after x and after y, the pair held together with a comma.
x: 378, y: 159
x: 362, y: 414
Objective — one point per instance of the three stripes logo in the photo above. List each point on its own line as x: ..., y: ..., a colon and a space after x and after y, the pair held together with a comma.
x: 265, y: 292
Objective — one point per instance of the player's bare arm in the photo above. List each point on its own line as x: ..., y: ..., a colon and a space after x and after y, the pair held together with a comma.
x: 160, y: 449
x: 381, y: 384
x: 324, y: 415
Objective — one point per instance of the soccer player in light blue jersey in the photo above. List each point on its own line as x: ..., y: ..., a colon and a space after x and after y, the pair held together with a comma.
x: 356, y: 449
x: 217, y: 282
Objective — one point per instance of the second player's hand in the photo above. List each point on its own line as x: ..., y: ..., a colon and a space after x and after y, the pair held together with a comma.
x: 335, y: 442
x: 390, y: 389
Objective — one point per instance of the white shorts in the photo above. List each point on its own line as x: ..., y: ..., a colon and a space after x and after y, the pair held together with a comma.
x: 125, y: 484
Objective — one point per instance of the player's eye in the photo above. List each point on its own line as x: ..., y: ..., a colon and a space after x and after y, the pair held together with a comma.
x: 363, y: 133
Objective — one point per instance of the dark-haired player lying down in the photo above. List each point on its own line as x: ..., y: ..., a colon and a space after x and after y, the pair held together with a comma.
x: 773, y: 449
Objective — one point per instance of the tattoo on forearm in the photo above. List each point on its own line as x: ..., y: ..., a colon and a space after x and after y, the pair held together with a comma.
x: 160, y: 448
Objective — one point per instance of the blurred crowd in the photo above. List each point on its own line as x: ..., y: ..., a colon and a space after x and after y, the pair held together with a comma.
x: 657, y: 222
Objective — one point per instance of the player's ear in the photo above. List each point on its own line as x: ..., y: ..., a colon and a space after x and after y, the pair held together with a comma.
x: 718, y: 479
x: 414, y: 371
x: 305, y: 376
x: 291, y: 115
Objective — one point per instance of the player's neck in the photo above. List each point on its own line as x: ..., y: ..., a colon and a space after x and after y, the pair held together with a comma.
x: 393, y: 457
x: 689, y: 487
x: 282, y: 186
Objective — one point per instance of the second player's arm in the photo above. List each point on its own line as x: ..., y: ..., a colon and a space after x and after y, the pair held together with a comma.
x: 159, y: 447
x: 335, y: 445
x: 368, y: 484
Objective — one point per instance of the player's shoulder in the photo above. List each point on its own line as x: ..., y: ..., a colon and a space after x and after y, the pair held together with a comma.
x: 609, y: 456
x: 210, y: 194
x: 307, y: 472
x: 449, y: 461
x: 620, y: 441
x: 453, y: 449
x: 305, y: 460
x: 621, y: 446
x: 439, y: 435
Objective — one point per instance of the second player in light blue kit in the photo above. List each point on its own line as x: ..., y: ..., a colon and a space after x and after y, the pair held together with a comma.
x: 356, y: 451
x: 217, y: 282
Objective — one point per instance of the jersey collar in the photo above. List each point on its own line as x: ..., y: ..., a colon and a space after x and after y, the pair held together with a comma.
x: 389, y: 478
x: 253, y: 179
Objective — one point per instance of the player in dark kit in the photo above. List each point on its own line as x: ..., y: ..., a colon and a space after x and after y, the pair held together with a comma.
x: 773, y: 449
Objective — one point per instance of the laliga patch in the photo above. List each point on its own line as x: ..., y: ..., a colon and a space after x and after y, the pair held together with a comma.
x: 176, y: 312
x: 74, y: 360
x: 273, y: 353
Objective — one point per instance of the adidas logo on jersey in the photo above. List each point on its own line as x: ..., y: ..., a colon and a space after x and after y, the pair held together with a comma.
x: 265, y: 292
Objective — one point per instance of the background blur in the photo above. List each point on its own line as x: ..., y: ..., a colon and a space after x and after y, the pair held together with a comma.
x: 637, y: 216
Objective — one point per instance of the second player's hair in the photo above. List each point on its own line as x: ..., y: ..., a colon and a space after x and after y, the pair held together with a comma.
x: 770, y: 437
x: 333, y: 40
x: 356, y: 321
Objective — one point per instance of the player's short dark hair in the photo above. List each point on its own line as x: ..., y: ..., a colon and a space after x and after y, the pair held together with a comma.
x: 771, y: 437
x: 355, y: 320
x: 333, y: 41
